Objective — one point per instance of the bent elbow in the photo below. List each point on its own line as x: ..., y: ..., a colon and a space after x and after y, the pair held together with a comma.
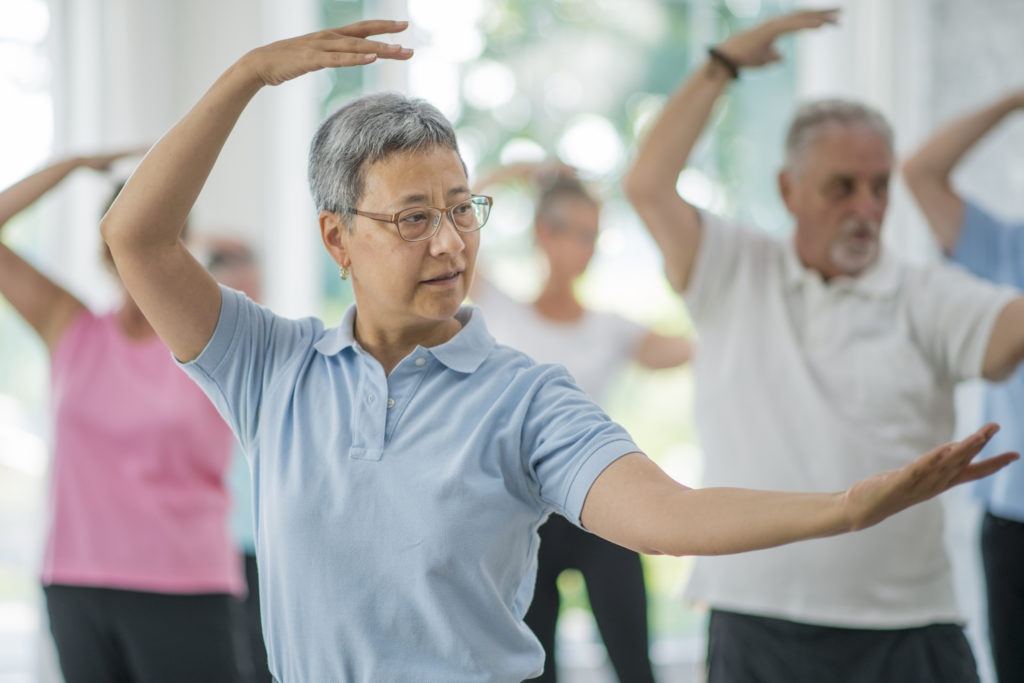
x: 639, y: 191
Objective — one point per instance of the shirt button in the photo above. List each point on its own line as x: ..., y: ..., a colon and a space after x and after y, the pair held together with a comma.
x: 391, y: 403
x: 370, y: 398
x: 421, y: 361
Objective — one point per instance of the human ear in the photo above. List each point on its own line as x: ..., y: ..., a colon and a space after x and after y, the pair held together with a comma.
x: 786, y: 190
x: 335, y: 237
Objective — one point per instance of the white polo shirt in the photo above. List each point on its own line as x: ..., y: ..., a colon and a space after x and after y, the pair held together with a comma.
x: 804, y: 385
x: 593, y: 348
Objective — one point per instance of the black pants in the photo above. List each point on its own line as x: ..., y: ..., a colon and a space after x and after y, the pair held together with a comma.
x: 252, y: 627
x: 1002, y: 552
x: 749, y: 649
x: 106, y: 635
x: 615, y: 586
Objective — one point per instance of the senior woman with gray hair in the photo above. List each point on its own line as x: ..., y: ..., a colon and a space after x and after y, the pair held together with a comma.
x: 403, y: 461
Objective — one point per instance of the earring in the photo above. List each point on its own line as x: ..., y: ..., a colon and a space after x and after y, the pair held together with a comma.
x: 343, y: 272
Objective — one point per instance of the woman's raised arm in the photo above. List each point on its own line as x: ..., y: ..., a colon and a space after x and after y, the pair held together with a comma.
x: 179, y: 298
x: 46, y: 306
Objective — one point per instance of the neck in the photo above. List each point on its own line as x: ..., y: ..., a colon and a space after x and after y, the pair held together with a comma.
x: 557, y: 301
x: 389, y: 345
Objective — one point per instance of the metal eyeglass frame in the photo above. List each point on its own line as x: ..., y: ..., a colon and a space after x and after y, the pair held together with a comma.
x: 393, y: 218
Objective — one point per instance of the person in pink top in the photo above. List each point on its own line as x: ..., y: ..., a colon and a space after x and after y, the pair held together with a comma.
x: 139, y: 571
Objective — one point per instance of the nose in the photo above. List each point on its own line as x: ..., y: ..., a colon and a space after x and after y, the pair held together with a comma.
x: 447, y: 240
x: 867, y: 203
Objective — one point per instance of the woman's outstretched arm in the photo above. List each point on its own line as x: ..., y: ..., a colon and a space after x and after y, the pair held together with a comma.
x: 142, y: 228
x: 635, y: 504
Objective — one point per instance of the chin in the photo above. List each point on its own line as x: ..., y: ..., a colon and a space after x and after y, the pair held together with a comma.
x: 855, y: 263
x: 443, y: 311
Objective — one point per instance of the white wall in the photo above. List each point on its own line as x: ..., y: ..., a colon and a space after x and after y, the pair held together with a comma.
x: 127, y: 70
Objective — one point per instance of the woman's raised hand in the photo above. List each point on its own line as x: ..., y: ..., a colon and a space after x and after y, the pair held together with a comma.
x: 755, y: 47
x: 284, y: 60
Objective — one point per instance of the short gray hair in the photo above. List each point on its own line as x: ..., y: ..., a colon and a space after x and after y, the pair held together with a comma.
x: 363, y: 132
x: 812, y: 118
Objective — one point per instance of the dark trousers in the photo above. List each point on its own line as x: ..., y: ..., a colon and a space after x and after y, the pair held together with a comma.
x: 251, y: 625
x: 1002, y: 553
x: 106, y: 635
x: 615, y: 586
x: 749, y: 649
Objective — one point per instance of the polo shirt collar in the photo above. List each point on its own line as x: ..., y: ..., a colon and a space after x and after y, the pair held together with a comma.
x: 464, y: 352
x: 881, y: 279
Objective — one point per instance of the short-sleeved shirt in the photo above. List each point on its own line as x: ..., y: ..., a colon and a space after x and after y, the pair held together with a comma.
x: 808, y: 385
x: 396, y: 515
x: 240, y: 520
x: 593, y: 348
x: 994, y: 250
x: 137, y: 500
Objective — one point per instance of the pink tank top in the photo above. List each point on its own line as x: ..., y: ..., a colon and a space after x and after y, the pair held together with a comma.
x: 137, y: 496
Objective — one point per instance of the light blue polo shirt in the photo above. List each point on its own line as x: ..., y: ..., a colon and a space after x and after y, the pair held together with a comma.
x: 396, y: 516
x: 994, y: 250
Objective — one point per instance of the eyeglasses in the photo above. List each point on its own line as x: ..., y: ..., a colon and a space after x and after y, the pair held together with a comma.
x: 422, y: 222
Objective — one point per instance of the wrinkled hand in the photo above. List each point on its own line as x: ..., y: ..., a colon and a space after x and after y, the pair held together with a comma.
x: 755, y: 47
x: 284, y: 60
x: 871, y: 500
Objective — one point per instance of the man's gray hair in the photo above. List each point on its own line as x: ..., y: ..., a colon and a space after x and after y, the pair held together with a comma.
x: 813, y: 118
x: 365, y: 131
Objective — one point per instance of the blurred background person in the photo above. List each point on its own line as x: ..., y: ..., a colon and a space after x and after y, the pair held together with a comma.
x: 991, y: 248
x: 824, y: 337
x: 595, y: 346
x: 139, y: 571
x: 233, y: 263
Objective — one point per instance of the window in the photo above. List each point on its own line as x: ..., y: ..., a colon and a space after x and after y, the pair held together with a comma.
x: 26, y: 139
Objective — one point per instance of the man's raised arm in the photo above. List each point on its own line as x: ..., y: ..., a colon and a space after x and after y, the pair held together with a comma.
x: 927, y: 172
x: 650, y: 183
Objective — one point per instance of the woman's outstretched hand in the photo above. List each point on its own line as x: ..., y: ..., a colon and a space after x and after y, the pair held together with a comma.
x: 284, y: 60
x: 871, y: 500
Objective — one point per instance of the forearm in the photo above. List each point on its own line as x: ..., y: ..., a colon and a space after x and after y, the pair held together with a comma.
x: 635, y: 504
x: 719, y: 521
x: 937, y: 158
x: 26, y: 192
x: 658, y: 351
x: 156, y: 200
x: 666, y: 149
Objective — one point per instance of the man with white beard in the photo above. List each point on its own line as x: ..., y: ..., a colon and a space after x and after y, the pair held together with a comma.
x: 821, y: 358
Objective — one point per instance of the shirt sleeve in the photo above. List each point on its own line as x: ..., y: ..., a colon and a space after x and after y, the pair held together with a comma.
x: 725, y: 251
x: 249, y: 348
x: 568, y: 441
x: 954, y: 314
x: 990, y: 248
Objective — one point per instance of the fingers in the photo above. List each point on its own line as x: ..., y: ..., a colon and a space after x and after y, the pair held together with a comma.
x: 954, y: 466
x: 798, y: 21
x: 342, y: 43
x: 371, y: 27
x: 980, y: 470
x: 972, y: 445
x: 812, y: 18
